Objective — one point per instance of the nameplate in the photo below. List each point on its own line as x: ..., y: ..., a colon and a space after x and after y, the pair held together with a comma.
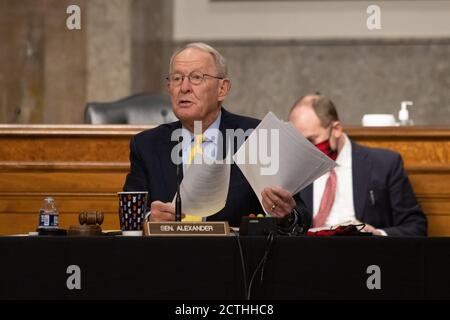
x: 213, y: 228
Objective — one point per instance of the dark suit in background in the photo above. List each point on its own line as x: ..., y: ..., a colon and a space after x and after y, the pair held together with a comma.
x: 152, y: 169
x: 382, y: 194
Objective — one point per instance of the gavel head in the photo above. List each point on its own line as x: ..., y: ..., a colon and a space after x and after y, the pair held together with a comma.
x: 90, y: 218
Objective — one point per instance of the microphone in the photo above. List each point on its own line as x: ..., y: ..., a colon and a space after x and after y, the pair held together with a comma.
x: 164, y: 114
x: 17, y: 113
x: 179, y: 178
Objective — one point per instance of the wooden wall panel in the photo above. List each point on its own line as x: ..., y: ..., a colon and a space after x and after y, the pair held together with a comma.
x: 439, y: 225
x: 83, y: 167
x: 23, y: 223
x: 61, y: 182
x: 433, y: 183
x: 19, y: 210
x: 420, y: 147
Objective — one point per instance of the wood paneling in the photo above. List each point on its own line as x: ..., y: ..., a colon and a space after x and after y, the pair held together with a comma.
x: 426, y: 154
x: 61, y: 181
x: 18, y: 211
x: 419, y: 146
x: 83, y: 167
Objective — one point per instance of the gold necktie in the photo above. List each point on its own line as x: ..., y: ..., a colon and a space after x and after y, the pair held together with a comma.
x: 196, y: 148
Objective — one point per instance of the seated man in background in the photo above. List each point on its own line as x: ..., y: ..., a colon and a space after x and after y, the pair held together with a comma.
x: 368, y: 185
x: 198, y: 83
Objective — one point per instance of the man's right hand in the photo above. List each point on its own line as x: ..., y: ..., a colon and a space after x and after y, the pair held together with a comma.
x: 162, y: 211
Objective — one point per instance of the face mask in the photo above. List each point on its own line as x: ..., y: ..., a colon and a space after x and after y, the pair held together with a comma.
x: 325, y: 147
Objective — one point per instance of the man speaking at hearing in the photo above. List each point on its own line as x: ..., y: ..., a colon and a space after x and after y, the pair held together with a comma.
x: 198, y: 85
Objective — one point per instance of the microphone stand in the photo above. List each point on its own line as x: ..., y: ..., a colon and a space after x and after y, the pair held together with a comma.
x: 164, y: 115
x: 179, y: 178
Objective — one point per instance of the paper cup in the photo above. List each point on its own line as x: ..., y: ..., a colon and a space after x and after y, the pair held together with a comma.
x: 132, y: 208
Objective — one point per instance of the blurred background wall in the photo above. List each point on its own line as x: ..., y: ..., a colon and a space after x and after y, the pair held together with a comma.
x: 277, y: 51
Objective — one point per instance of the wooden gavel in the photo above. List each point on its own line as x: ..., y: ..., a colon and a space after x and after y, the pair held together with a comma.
x: 91, y: 218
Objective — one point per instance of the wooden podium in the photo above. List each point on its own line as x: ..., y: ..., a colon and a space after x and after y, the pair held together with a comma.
x: 83, y: 166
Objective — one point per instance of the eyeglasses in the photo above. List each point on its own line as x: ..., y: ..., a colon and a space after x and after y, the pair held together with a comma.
x: 195, y: 77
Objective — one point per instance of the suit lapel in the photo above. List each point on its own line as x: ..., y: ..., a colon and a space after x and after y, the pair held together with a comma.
x: 226, y: 122
x: 361, y: 167
x: 307, y: 196
x: 168, y: 167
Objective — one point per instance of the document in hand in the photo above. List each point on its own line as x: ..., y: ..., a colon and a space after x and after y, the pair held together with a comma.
x: 276, y: 154
x: 204, y: 188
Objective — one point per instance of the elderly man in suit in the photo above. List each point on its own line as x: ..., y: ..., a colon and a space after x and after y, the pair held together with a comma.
x: 198, y: 84
x: 368, y: 185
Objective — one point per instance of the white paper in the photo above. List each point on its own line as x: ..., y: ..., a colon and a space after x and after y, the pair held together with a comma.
x: 299, y: 161
x: 204, y: 187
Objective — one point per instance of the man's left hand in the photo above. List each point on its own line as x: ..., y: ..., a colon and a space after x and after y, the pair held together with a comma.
x: 368, y: 228
x: 278, y: 201
x: 371, y: 229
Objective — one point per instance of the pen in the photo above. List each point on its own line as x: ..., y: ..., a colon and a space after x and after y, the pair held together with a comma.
x: 372, y: 197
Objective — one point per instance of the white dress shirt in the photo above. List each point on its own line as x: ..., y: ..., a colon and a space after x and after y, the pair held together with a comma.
x: 209, y: 144
x: 343, y: 209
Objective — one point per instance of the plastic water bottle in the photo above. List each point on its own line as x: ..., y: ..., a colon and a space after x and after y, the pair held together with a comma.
x: 48, y: 215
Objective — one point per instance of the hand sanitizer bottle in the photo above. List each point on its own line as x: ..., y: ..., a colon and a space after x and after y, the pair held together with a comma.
x: 403, y: 114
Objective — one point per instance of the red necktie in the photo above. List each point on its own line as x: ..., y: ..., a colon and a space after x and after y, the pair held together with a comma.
x: 327, y: 201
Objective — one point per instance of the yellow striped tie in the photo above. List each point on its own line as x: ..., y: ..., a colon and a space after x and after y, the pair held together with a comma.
x: 196, y: 148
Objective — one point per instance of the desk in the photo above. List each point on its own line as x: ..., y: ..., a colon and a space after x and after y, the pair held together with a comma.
x: 210, y: 268
x: 83, y: 166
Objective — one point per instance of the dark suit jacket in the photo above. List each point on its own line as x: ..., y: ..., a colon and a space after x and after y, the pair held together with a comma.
x: 152, y: 169
x: 382, y: 194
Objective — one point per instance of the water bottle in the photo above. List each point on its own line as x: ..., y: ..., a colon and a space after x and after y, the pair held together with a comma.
x: 48, y: 215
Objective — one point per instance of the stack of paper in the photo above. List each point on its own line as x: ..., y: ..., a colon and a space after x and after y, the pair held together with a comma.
x: 284, y: 158
x: 204, y: 188
x: 275, y: 154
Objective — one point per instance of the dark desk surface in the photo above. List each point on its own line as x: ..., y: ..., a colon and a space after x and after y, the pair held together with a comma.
x: 210, y: 268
